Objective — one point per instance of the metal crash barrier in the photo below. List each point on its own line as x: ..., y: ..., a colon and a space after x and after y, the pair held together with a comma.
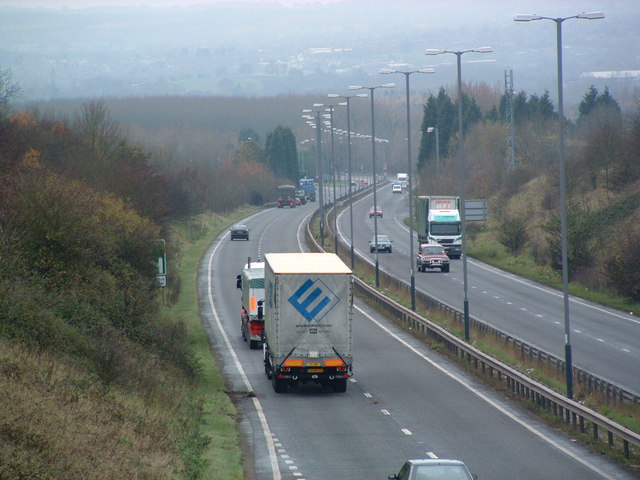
x: 570, y: 411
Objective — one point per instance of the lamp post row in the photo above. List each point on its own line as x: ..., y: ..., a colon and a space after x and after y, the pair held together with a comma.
x: 562, y: 173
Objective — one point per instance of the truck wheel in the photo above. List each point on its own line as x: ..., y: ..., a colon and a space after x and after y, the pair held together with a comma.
x: 278, y: 384
x: 340, y: 385
x: 445, y: 269
x: 253, y: 344
x: 267, y: 369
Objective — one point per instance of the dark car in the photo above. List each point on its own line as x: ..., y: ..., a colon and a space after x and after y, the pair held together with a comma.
x: 432, y: 469
x: 383, y: 244
x: 377, y: 210
x: 239, y: 231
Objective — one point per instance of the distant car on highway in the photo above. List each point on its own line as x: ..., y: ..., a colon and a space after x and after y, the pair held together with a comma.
x: 433, y: 469
x: 240, y: 232
x: 375, y: 210
x: 383, y: 244
x: 396, y: 187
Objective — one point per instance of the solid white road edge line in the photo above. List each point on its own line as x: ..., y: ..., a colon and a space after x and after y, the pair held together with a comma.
x: 263, y: 420
x: 488, y: 400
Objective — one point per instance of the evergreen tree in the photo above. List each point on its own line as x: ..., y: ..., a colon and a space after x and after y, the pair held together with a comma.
x: 520, y: 107
x: 545, y: 106
x: 427, y: 140
x: 281, y: 153
x: 471, y: 113
x: 606, y: 100
x: 588, y: 103
x: 492, y: 115
x: 439, y: 112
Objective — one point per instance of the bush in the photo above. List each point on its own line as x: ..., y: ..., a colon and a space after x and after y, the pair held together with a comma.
x: 581, y: 239
x: 512, y: 233
x: 623, y: 270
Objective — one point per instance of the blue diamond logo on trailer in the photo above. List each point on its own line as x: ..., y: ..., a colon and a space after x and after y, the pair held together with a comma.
x: 313, y: 300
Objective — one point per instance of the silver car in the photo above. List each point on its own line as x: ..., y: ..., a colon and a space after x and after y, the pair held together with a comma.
x: 432, y: 469
x: 383, y: 244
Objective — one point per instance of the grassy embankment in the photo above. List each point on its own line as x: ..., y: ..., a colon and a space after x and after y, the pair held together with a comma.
x: 59, y: 421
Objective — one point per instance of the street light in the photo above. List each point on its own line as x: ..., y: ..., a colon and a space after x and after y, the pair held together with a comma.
x: 407, y: 74
x: 527, y: 17
x: 373, y: 156
x: 319, y: 164
x: 463, y: 221
x: 347, y: 102
x: 333, y: 176
x: 435, y: 129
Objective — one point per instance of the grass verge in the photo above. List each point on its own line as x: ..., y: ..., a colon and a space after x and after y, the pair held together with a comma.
x: 214, y: 450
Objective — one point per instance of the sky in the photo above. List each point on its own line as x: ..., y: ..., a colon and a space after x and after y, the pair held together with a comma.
x: 266, y: 49
x: 153, y: 3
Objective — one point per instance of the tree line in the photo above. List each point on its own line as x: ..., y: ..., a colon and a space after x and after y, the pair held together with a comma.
x: 603, y: 176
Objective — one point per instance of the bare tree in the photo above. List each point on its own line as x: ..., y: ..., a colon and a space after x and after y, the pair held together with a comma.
x: 8, y: 91
x: 100, y: 132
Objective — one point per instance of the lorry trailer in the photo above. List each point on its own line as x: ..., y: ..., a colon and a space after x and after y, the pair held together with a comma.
x: 308, y: 320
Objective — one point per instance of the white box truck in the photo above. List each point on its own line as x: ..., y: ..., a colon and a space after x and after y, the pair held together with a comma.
x: 251, y: 282
x: 308, y: 320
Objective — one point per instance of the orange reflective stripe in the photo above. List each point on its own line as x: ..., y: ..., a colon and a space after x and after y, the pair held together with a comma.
x: 291, y: 362
x: 333, y: 362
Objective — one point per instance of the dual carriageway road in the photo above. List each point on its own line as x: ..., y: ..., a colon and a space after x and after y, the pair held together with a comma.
x: 404, y: 401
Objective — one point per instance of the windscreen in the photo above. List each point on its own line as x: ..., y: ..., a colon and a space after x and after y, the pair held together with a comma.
x: 445, y: 228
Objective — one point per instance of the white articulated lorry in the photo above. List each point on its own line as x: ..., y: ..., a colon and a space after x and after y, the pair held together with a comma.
x: 308, y: 315
x: 439, y: 222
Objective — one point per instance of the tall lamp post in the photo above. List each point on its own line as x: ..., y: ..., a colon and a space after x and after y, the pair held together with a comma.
x: 527, y: 17
x: 329, y: 108
x: 347, y: 103
x: 407, y: 74
x: 435, y: 129
x: 463, y: 221
x: 319, y: 164
x: 373, y: 156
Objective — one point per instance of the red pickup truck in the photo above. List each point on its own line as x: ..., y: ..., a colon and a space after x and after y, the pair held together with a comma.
x: 432, y: 255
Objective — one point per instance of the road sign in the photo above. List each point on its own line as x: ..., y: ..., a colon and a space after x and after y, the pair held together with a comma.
x: 475, y: 210
x: 160, y: 259
x: 159, y: 256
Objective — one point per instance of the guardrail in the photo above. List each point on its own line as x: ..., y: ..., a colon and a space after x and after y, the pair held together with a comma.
x: 590, y: 382
x: 570, y: 411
